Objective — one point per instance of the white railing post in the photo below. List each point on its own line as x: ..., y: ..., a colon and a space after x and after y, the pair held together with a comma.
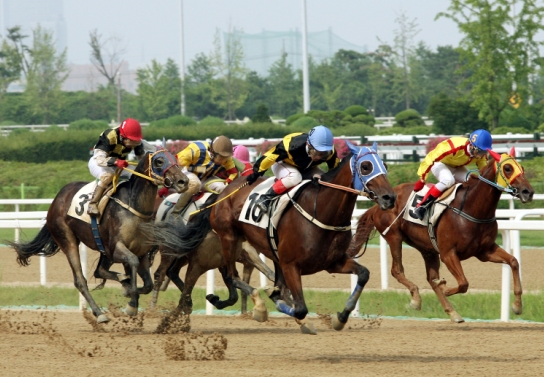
x: 43, y: 270
x: 264, y: 280
x: 210, y: 279
x: 384, y: 274
x: 17, y: 230
x: 354, y: 279
x: 505, y: 296
x: 83, y: 259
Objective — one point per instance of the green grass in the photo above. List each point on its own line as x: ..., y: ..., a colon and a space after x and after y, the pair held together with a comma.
x: 484, y: 306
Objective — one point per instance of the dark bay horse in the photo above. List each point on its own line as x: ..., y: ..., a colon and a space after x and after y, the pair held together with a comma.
x: 313, y: 233
x: 467, y: 228
x: 207, y: 256
x: 131, y: 205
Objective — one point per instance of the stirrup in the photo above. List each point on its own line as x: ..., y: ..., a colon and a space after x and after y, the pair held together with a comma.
x: 263, y: 205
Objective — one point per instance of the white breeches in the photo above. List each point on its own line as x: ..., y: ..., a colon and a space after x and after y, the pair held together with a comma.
x: 289, y: 174
x: 211, y: 184
x: 104, y: 173
x: 448, y: 175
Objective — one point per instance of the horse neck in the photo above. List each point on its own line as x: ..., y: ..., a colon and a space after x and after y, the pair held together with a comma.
x: 142, y: 191
x: 337, y: 203
x: 482, y: 199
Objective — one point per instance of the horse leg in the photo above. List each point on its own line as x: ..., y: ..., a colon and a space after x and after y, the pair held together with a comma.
x: 432, y: 265
x: 452, y: 262
x: 71, y: 251
x: 145, y: 273
x: 246, y: 276
x: 499, y: 255
x: 103, y: 272
x: 250, y: 255
x: 131, y: 262
x: 349, y: 266
x: 233, y: 295
x: 397, y: 271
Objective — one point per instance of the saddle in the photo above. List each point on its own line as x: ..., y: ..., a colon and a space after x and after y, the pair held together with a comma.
x: 80, y: 201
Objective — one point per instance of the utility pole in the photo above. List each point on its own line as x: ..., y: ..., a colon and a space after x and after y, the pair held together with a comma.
x: 305, y: 74
x: 182, y: 65
x: 118, y: 97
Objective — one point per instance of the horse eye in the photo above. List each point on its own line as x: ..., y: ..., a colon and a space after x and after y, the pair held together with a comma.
x: 159, y: 162
x: 508, y: 168
x: 366, y: 168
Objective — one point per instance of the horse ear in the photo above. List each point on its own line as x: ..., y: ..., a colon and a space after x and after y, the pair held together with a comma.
x: 352, y: 147
x: 512, y: 152
x: 495, y: 155
x: 375, y: 146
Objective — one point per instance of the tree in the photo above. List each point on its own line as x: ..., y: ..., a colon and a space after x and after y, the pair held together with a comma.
x: 198, y: 90
x: 153, y: 87
x: 10, y: 66
x: 284, y: 97
x: 171, y: 73
x: 499, y: 49
x: 229, y: 89
x: 405, y: 85
x: 106, y: 55
x: 46, y: 73
x: 453, y: 116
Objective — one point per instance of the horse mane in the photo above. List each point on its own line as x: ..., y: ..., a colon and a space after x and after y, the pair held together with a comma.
x: 331, y: 174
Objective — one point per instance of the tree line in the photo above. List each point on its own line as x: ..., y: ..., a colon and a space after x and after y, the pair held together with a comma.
x: 492, y: 79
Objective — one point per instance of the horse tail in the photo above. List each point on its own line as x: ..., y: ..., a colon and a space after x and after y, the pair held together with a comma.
x: 42, y: 244
x: 177, y: 238
x: 365, y: 229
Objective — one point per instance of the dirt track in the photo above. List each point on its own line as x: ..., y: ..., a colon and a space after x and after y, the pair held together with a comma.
x: 63, y: 344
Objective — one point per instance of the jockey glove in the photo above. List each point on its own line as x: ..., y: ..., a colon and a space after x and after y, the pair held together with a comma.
x: 252, y: 178
x: 163, y: 192
x: 121, y: 164
x: 419, y: 185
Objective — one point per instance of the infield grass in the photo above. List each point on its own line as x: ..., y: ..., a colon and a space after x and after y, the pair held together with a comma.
x: 485, y: 306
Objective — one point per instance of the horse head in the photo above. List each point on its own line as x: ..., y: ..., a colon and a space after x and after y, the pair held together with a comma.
x: 510, y: 176
x: 370, y: 175
x: 163, y: 168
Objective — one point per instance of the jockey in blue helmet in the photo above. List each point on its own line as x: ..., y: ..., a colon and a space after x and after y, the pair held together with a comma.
x: 447, y: 162
x: 295, y: 153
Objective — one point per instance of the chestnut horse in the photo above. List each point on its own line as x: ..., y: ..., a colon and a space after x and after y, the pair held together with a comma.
x: 130, y: 206
x: 313, y: 233
x: 467, y: 228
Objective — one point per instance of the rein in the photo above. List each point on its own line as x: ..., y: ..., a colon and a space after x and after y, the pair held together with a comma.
x: 344, y: 188
x: 219, y: 201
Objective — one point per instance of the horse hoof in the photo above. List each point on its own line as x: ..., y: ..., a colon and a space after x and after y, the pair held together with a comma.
x: 308, y: 328
x: 102, y: 318
x: 336, y: 324
x: 260, y: 315
x: 456, y: 318
x: 131, y: 311
x: 517, y: 309
x: 415, y: 304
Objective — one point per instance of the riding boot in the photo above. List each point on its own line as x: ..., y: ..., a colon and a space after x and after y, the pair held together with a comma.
x: 262, y: 204
x: 181, y: 203
x: 426, y: 202
x: 93, y: 204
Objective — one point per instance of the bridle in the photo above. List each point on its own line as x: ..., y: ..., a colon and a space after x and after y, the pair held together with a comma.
x: 156, y: 175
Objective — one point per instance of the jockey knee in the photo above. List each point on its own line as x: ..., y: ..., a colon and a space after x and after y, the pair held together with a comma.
x: 193, y: 186
x: 105, y: 179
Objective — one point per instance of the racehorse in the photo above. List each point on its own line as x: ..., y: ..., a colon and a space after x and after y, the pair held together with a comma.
x: 306, y: 243
x: 207, y: 256
x: 130, y: 206
x: 467, y: 228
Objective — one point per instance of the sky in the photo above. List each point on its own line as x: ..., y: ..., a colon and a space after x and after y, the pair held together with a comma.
x: 151, y: 29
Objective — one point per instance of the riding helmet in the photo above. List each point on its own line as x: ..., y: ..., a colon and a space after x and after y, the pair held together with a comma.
x: 222, y: 146
x: 320, y: 137
x: 131, y: 129
x: 481, y: 139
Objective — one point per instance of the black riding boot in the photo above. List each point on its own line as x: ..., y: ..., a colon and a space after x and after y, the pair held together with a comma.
x: 420, y: 211
x: 262, y: 204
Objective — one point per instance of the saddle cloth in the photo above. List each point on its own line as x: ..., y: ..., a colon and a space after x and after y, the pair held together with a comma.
x: 80, y: 202
x: 436, y: 210
x: 250, y: 212
x: 170, y: 201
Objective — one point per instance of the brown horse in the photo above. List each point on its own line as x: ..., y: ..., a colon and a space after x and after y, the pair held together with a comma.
x: 467, y: 228
x: 130, y: 206
x: 206, y: 257
x: 313, y: 233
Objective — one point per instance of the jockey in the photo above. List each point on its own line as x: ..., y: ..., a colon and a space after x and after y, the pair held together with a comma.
x: 295, y: 153
x: 241, y: 154
x: 201, y: 161
x: 110, y: 152
x: 447, y: 162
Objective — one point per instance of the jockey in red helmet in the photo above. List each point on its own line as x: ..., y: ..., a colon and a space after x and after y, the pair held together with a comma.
x: 110, y: 153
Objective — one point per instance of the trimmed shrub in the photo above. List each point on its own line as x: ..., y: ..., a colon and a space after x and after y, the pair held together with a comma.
x: 293, y: 118
x: 514, y: 130
x: 180, y: 120
x: 305, y: 123
x: 212, y: 121
x: 355, y: 110
x: 409, y: 118
x: 88, y: 124
x: 366, y: 119
x: 261, y: 116
x: 328, y: 118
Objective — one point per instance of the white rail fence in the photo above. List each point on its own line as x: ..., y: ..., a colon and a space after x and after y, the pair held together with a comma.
x: 510, y: 228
